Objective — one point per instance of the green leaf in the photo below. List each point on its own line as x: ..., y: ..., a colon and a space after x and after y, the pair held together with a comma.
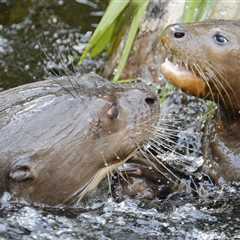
x: 137, y: 17
x: 190, y: 9
x: 197, y: 10
x: 104, y: 40
x: 104, y: 28
x: 205, y: 9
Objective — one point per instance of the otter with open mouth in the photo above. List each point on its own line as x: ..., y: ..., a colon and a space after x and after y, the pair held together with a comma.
x: 203, y: 59
x: 60, y: 137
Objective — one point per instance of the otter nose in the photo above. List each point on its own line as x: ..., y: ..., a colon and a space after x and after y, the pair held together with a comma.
x: 178, y: 31
x: 151, y: 100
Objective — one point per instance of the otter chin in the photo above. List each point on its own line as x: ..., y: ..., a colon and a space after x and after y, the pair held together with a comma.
x: 183, y: 78
x: 203, y: 59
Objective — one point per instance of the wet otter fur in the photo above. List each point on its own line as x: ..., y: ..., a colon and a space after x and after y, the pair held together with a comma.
x: 203, y: 60
x: 60, y: 138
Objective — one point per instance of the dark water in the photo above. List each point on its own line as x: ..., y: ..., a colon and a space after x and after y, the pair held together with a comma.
x: 32, y: 29
x: 29, y: 29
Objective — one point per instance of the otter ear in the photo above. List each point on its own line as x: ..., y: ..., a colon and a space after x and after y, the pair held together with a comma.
x: 22, y: 170
x: 113, y: 111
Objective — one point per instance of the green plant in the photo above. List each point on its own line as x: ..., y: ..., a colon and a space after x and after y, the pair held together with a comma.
x: 122, y: 20
x: 120, y: 17
x: 197, y: 10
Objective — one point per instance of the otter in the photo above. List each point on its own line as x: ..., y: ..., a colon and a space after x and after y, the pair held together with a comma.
x: 203, y: 60
x: 60, y: 137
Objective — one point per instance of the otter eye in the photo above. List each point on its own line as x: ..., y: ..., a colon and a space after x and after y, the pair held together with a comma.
x: 220, y: 39
x: 179, y: 34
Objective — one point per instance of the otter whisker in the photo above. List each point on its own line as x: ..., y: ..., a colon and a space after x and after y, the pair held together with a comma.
x: 161, y: 152
x: 55, y: 74
x: 169, y: 123
x: 57, y: 81
x: 155, y: 166
x: 217, y: 83
x: 99, y: 176
x: 164, y: 166
x: 223, y: 84
x: 167, y: 115
x: 218, y: 87
x: 163, y: 119
x: 120, y: 172
x: 205, y: 79
x: 108, y: 176
x: 155, y: 145
x: 167, y: 135
x: 163, y: 137
x: 233, y: 94
x: 167, y: 131
x: 68, y: 74
x: 168, y: 170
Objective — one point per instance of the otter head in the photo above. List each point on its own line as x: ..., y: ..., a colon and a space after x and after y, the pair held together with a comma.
x: 203, y: 59
x: 71, y: 143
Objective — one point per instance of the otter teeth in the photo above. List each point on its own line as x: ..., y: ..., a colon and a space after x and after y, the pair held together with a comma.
x: 168, y: 63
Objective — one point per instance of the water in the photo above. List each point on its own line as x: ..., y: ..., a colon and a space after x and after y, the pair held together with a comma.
x: 28, y: 30
x: 181, y: 217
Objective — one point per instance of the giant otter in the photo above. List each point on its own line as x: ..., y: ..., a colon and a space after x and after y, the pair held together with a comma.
x: 59, y: 138
x: 203, y: 59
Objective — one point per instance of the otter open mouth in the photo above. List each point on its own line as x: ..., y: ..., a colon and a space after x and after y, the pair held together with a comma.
x: 183, y: 78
